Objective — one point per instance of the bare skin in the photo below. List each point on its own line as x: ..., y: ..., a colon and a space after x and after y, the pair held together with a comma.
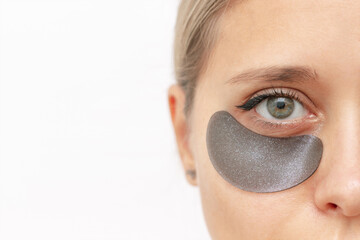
x: 323, y: 35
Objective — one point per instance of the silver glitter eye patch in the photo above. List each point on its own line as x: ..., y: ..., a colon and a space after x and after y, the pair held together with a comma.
x: 257, y: 163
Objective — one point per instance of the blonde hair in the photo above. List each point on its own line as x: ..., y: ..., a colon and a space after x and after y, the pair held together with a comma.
x: 195, y: 34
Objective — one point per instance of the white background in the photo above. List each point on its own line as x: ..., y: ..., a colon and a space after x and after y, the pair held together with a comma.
x: 87, y: 150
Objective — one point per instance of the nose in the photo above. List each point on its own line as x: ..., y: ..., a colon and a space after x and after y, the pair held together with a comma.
x: 340, y: 191
x: 338, y: 184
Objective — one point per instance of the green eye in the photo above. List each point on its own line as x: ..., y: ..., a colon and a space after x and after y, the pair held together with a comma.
x: 280, y: 107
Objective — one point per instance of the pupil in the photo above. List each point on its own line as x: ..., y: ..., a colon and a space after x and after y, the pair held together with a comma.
x: 280, y: 105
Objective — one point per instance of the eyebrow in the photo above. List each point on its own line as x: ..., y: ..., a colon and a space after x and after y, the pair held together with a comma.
x: 276, y: 73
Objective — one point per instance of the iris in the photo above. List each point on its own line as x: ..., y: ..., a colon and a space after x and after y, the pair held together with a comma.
x: 280, y: 107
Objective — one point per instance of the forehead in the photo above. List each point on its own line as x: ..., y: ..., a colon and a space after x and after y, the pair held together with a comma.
x: 256, y: 33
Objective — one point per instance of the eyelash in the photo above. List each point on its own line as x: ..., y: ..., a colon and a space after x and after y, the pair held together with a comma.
x: 272, y: 92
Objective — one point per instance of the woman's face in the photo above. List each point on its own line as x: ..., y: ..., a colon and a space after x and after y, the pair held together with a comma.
x: 322, y: 36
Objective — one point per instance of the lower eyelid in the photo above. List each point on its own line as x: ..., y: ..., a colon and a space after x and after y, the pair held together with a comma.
x: 274, y: 130
x: 287, y: 128
x: 290, y: 126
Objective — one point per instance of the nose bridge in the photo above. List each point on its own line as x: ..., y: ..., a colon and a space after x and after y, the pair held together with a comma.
x: 340, y: 182
x: 345, y: 130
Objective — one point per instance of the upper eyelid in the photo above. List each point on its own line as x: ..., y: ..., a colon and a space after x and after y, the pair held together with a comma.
x: 264, y: 94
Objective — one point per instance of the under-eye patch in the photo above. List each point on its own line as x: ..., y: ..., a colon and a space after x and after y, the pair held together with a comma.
x: 257, y: 163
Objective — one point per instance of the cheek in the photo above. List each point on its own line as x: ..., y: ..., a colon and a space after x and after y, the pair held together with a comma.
x: 230, y: 212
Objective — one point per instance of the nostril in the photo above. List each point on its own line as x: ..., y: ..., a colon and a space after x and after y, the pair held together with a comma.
x: 332, y: 206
